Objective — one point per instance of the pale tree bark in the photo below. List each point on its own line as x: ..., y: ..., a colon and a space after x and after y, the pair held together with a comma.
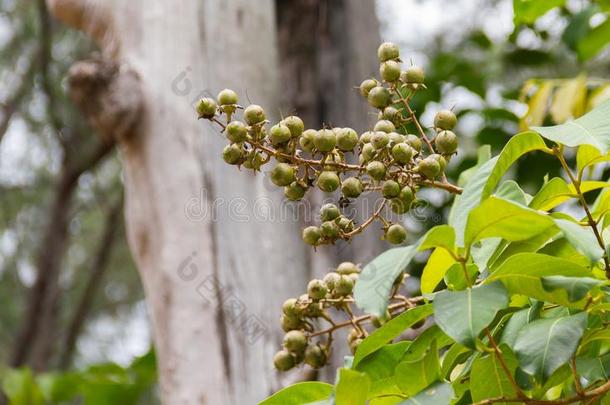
x: 213, y: 287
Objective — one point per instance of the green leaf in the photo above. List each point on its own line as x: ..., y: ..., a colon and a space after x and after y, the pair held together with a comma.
x: 510, y: 190
x: 414, y: 376
x: 21, y: 388
x: 582, y: 239
x: 381, y: 364
x: 575, y: 287
x: 489, y: 378
x: 486, y: 178
x: 549, y: 193
x: 419, y: 347
x: 439, y: 236
x: 376, y: 279
x: 595, y: 41
x: 391, y: 330
x: 517, y: 321
x: 528, y: 11
x: 592, y: 129
x: 455, y: 279
x: 438, y: 263
x: 440, y: 393
x: 523, y: 272
x: 454, y: 356
x: 585, y: 155
x: 352, y: 388
x: 546, y: 344
x: 300, y: 393
x: 496, y: 217
x: 594, y: 369
x: 464, y: 314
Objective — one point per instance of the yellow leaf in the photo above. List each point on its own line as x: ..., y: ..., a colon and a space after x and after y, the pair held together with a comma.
x: 439, y: 262
x: 537, y: 107
x: 569, y: 100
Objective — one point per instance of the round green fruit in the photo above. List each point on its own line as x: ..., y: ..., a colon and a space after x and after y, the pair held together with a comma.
x: 429, y: 167
x: 376, y: 170
x: 442, y: 162
x: 330, y: 230
x: 328, y: 212
x: 344, y: 286
x: 206, y: 108
x: 396, y: 234
x: 311, y: 235
x: 307, y: 140
x: 390, y: 113
x: 294, y: 191
x: 446, y: 142
x: 380, y: 140
x: 347, y: 139
x: 283, y: 361
x: 368, y: 152
x: 295, y: 341
x: 387, y: 51
x: 402, y: 153
x: 414, y: 142
x: 445, y: 119
x: 413, y: 74
x: 328, y: 181
x: 379, y: 97
x: 232, y: 154
x: 325, y: 140
x: 295, y: 125
x: 282, y: 174
x: 366, y: 137
x: 289, y: 308
x: 347, y: 268
x: 384, y: 126
x: 406, y: 195
x: 366, y: 86
x: 316, y: 289
x: 396, y: 138
x: 254, y: 114
x: 279, y: 134
x: 390, y: 71
x: 390, y: 189
x: 351, y: 187
x: 331, y: 280
x: 236, y: 131
x: 289, y: 323
x: 345, y: 224
x: 315, y: 356
x: 227, y: 97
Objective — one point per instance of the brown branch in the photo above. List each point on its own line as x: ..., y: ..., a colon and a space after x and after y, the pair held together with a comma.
x: 97, y: 270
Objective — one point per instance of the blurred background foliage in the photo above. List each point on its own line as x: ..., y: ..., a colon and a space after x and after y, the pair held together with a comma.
x: 502, y: 66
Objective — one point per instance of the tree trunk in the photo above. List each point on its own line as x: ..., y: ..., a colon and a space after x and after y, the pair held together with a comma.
x: 214, y: 285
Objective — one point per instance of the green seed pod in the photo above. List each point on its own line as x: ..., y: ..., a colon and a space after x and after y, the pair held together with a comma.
x: 440, y: 159
x: 351, y: 187
x: 282, y: 174
x: 347, y: 139
x: 399, y: 207
x: 406, y: 195
x: 315, y: 356
x: 232, y: 154
x: 429, y: 167
x: 295, y: 125
x: 345, y: 224
x: 330, y: 230
x: 376, y: 170
x: 279, y: 134
x: 402, y: 153
x: 384, y: 126
x: 325, y: 140
x: 390, y: 189
x: 311, y: 235
x: 283, y: 361
x: 380, y: 140
x: 294, y: 191
x: 331, y: 280
x: 344, y: 286
x: 254, y: 160
x: 396, y: 138
x: 366, y: 137
x: 290, y: 323
x: 396, y: 234
x: 254, y: 114
x: 390, y: 71
x: 236, y: 131
x: 316, y: 289
x: 387, y: 51
x: 307, y: 140
x: 227, y: 97
x: 379, y: 97
x: 445, y: 119
x: 289, y: 308
x: 368, y: 152
x: 414, y: 142
x: 366, y: 86
x: 328, y: 181
x: 347, y: 268
x: 329, y: 211
x: 206, y: 108
x: 391, y: 114
x: 295, y: 341
x: 413, y: 74
x: 446, y: 142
